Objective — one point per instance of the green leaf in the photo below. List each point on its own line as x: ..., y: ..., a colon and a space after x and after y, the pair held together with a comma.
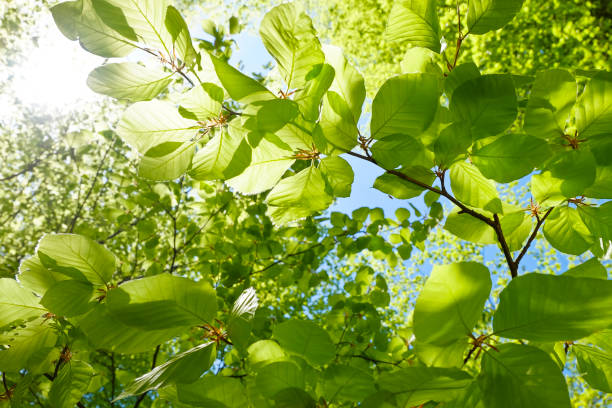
x: 270, y: 159
x: 403, y: 189
x: 93, y: 260
x: 71, y: 383
x: 305, y: 339
x: 417, y: 385
x: 346, y: 383
x: 415, y: 22
x: 400, y: 150
x: 595, y: 363
x: 567, y: 175
x: 452, y: 144
x: 271, y: 116
x: 451, y: 302
x: 553, y: 308
x: 202, y: 102
x: 510, y: 157
x: 68, y: 298
x: 337, y: 123
x: 338, y: 175
x: 488, y: 103
x: 34, y: 276
x: 225, y: 156
x: 598, y: 220
x: 28, y: 347
x: 162, y: 302
x: 404, y: 104
x: 78, y: 20
x: 601, y: 187
x: 240, y: 87
x: 521, y: 377
x: 213, y: 391
x: 565, y: 230
x: 167, y: 161
x: 348, y: 82
x: 459, y: 75
x: 288, y: 35
x: 473, y: 189
x: 145, y: 125
x: 278, y: 376
x: 550, y: 103
x: 594, y: 109
x: 181, y: 39
x: 420, y: 60
x: 293, y: 398
x: 489, y: 15
x: 447, y: 355
x: 108, y: 333
x: 589, y: 269
x: 264, y: 352
x: 128, y: 80
x: 184, y: 368
x: 319, y: 79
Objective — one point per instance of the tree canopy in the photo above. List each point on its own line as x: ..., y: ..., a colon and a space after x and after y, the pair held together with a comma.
x: 173, y: 246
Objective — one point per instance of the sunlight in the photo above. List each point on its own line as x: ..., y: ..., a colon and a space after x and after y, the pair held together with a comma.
x: 55, y: 73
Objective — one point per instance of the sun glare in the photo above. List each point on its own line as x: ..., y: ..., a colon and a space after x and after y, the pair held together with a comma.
x: 54, y: 75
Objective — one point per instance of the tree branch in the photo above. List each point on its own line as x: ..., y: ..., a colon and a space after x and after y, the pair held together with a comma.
x: 532, y: 237
x: 504, y: 246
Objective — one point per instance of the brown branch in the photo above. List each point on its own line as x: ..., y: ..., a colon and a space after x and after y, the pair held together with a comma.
x: 504, y: 246
x: 532, y: 237
x: 121, y: 229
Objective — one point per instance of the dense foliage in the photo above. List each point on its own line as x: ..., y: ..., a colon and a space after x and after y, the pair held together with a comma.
x: 199, y: 271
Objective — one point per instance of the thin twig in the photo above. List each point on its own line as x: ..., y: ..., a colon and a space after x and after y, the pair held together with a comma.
x: 532, y: 237
x: 504, y: 246
x: 153, y: 364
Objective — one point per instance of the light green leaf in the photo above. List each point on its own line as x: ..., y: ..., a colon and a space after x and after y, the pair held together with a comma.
x: 346, y: 383
x: 488, y: 103
x: 473, y: 189
x: 78, y: 20
x: 447, y: 355
x: 288, y: 35
x: 71, y: 384
x: 348, y: 82
x: 167, y: 161
x: 337, y: 122
x: 419, y: 60
x: 180, y: 37
x: 403, y: 189
x: 452, y: 144
x: 270, y: 159
x: 589, y: 269
x: 594, y: 109
x: 521, y: 377
x: 213, y: 391
x: 305, y: 339
x: 489, y: 15
x: 318, y: 81
x: 415, y: 22
x: 451, y: 302
x: 128, y: 80
x: 404, y: 104
x: 595, y: 363
x: 565, y: 230
x: 34, y: 276
x: 108, y: 333
x: 553, y: 308
x: 601, y: 187
x: 264, y: 352
x: 68, y: 298
x: 417, y: 385
x: 400, y: 150
x: 162, y: 301
x: 93, y: 260
x: 510, y: 157
x: 459, y: 75
x: 338, y: 175
x: 551, y: 100
x: 598, y: 220
x: 271, y: 116
x: 278, y: 376
x: 225, y: 156
x: 240, y: 87
x: 202, y: 102
x: 28, y: 347
x: 145, y: 125
x: 184, y: 368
